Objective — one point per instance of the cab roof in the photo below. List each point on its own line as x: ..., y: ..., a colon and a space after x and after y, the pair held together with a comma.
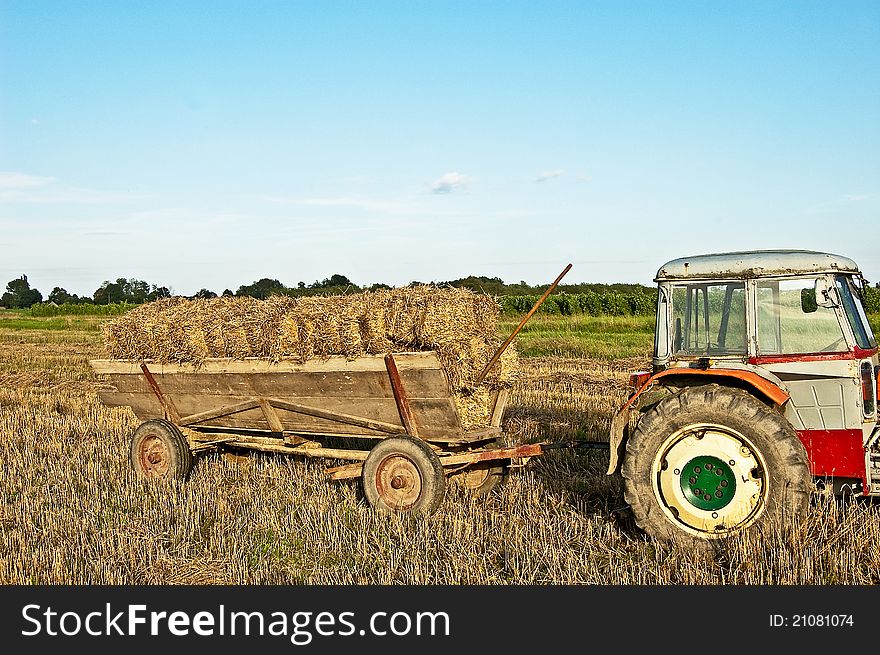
x: 754, y: 263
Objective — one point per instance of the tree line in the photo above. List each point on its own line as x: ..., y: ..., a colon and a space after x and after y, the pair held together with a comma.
x: 588, y: 298
x: 20, y: 295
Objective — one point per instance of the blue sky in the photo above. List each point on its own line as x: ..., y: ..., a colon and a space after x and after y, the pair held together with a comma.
x: 209, y: 144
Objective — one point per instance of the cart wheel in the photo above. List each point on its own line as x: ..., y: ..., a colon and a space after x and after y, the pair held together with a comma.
x: 159, y: 450
x: 403, y: 474
x: 481, y: 480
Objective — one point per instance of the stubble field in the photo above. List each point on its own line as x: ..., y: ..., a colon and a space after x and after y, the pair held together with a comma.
x: 72, y: 511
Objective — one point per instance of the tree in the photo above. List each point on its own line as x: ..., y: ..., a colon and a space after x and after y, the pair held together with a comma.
x: 228, y: 292
x: 335, y: 280
x: 19, y: 294
x: 158, y: 292
x: 109, y: 292
x: 129, y: 290
x: 205, y: 294
x: 60, y: 296
x: 261, y: 289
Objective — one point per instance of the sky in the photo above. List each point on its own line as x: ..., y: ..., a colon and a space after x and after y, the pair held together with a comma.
x: 210, y: 144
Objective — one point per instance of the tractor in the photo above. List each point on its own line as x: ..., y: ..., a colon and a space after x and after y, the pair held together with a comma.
x: 763, y: 389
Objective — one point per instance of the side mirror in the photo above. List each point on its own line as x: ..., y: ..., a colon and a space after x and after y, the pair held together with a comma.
x: 824, y: 293
x: 808, y: 301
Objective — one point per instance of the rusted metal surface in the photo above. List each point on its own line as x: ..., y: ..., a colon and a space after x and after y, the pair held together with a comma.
x: 524, y: 450
x: 752, y: 264
x: 169, y: 409
x: 403, y: 408
x: 515, y: 452
x: 519, y: 327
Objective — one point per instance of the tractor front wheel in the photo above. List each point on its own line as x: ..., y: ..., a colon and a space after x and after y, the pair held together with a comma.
x: 711, y: 461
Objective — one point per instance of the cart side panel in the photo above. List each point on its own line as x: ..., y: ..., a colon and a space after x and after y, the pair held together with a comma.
x: 353, y: 387
x: 429, y: 383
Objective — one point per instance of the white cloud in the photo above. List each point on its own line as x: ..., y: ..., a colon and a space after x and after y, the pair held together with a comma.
x: 12, y: 180
x: 548, y: 175
x: 450, y: 182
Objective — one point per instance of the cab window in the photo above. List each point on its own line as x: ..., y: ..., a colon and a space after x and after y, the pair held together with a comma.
x: 790, y: 321
x: 709, y: 318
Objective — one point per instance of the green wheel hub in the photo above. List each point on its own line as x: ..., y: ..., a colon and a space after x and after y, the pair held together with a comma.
x: 708, y: 483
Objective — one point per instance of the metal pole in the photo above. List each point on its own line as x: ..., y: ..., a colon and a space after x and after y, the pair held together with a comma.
x: 519, y: 327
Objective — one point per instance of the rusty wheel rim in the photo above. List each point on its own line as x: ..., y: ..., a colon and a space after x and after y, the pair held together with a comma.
x: 473, y: 478
x: 398, y: 482
x: 153, y: 457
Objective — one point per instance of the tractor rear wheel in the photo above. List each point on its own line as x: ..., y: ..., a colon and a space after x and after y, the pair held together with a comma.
x: 712, y: 461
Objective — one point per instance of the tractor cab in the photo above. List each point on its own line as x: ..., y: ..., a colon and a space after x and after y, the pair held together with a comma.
x: 804, y: 306
x: 764, y: 381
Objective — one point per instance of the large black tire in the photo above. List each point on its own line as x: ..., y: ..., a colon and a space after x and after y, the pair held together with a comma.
x: 711, y: 461
x: 482, y: 479
x: 402, y: 474
x: 160, y: 451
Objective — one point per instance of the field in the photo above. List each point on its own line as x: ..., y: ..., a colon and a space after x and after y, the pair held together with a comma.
x: 72, y: 512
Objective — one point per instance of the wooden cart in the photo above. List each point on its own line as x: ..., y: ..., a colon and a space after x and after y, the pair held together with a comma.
x: 393, y: 416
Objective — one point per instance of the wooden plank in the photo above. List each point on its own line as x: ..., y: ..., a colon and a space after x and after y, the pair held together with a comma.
x: 435, y: 418
x: 226, y: 410
x: 405, y: 361
x: 420, y: 383
x: 338, y: 417
x: 345, y: 472
x: 306, y: 451
x: 144, y: 405
x: 271, y: 417
x: 498, y: 406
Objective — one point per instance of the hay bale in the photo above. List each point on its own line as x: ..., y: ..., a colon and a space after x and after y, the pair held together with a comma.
x: 456, y: 323
x: 474, y: 408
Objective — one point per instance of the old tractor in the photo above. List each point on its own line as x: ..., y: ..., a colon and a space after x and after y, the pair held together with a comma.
x: 763, y: 389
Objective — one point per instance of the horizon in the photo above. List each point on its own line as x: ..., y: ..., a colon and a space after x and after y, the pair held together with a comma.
x: 210, y: 145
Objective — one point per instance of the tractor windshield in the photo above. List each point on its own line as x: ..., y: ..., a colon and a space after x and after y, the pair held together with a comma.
x: 855, y: 313
x: 709, y: 318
